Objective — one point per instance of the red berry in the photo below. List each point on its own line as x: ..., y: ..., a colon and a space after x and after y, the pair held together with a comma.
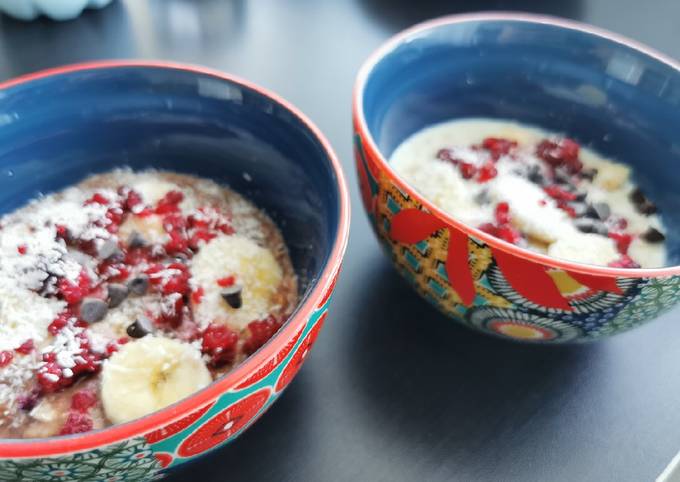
x: 502, y: 213
x: 97, y: 198
x: 486, y: 173
x: 563, y: 152
x: 132, y: 200
x: 564, y: 206
x: 227, y: 281
x: 447, y: 155
x: 199, y: 237
x: 73, y: 293
x: 558, y: 193
x: 260, y: 332
x: 22, y: 249
x: 26, y: 347
x: 62, y: 232
x: 622, y: 241
x: 624, y: 261
x: 467, y: 170
x: 50, y: 378
x: 219, y: 341
x: 497, y: 146
x: 197, y: 295
x: 169, y: 203
x: 5, y: 358
x: 509, y: 234
x: 83, y: 400
x: 76, y: 422
x: 489, y: 228
x: 59, y: 322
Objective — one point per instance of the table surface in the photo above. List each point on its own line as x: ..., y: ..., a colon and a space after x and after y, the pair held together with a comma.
x: 394, y: 391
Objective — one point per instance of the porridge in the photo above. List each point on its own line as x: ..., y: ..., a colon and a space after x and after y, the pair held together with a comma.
x: 535, y: 189
x: 128, y: 292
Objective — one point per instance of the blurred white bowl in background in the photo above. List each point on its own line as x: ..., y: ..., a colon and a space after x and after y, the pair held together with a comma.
x: 54, y: 9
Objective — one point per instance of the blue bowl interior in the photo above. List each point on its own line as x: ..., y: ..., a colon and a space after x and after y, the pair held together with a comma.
x: 57, y: 130
x: 610, y: 97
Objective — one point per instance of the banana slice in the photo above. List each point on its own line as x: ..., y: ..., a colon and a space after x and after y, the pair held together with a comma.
x: 584, y: 248
x: 148, y: 374
x: 147, y: 228
x: 611, y: 176
x: 253, y: 267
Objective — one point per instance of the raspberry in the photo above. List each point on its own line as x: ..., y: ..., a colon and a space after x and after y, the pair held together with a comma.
x: 624, y: 261
x: 489, y: 228
x: 197, y: 295
x: 76, y: 422
x: 497, y: 146
x: 563, y: 152
x: 486, y: 173
x: 219, y: 342
x: 178, y: 282
x: 73, y: 293
x: 467, y: 170
x: 83, y: 400
x: 5, y: 358
x: 26, y: 347
x: 502, y: 213
x: 559, y: 194
x: 169, y: 203
x: 51, y: 378
x: 564, y: 206
x: 446, y: 155
x: 97, y: 198
x: 59, y: 322
x: 260, y: 332
x: 132, y: 200
x: 227, y: 281
x: 199, y: 237
x: 622, y: 241
x: 22, y: 249
x: 175, y: 225
x: 115, y: 217
x: 509, y: 234
x: 171, y: 311
x: 28, y: 401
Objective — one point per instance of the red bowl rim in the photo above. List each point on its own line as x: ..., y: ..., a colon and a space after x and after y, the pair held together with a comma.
x: 370, y: 144
x: 42, y: 447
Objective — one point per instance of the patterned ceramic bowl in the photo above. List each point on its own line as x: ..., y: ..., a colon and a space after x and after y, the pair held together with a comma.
x: 614, y: 95
x: 58, y: 126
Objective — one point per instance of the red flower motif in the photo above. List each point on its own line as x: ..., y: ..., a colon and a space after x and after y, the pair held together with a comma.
x: 299, y: 357
x: 529, y: 279
x: 272, y: 363
x: 223, y: 425
x: 163, y: 458
x: 177, y: 426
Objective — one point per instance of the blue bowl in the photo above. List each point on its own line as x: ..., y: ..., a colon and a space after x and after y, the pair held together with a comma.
x: 58, y: 127
x: 611, y: 94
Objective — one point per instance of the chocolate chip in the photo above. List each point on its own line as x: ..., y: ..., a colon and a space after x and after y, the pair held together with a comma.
x: 535, y: 176
x: 93, y: 310
x: 136, y: 240
x: 588, y: 225
x: 653, y: 235
x: 599, y: 211
x: 109, y: 249
x: 581, y: 196
x: 138, y: 285
x: 588, y: 173
x: 140, y: 328
x: 232, y: 295
x: 642, y: 203
x: 116, y: 294
x: 482, y: 197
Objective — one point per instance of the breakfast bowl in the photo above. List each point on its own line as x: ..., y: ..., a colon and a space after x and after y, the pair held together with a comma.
x: 606, y: 92
x: 59, y: 126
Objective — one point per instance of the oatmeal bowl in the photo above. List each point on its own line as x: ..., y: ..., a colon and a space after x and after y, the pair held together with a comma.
x: 170, y: 238
x: 520, y: 172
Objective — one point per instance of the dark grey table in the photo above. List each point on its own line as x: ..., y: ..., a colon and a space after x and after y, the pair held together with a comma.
x: 393, y: 391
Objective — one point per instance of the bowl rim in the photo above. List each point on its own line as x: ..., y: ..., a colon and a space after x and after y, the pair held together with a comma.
x: 64, y: 444
x: 369, y: 143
